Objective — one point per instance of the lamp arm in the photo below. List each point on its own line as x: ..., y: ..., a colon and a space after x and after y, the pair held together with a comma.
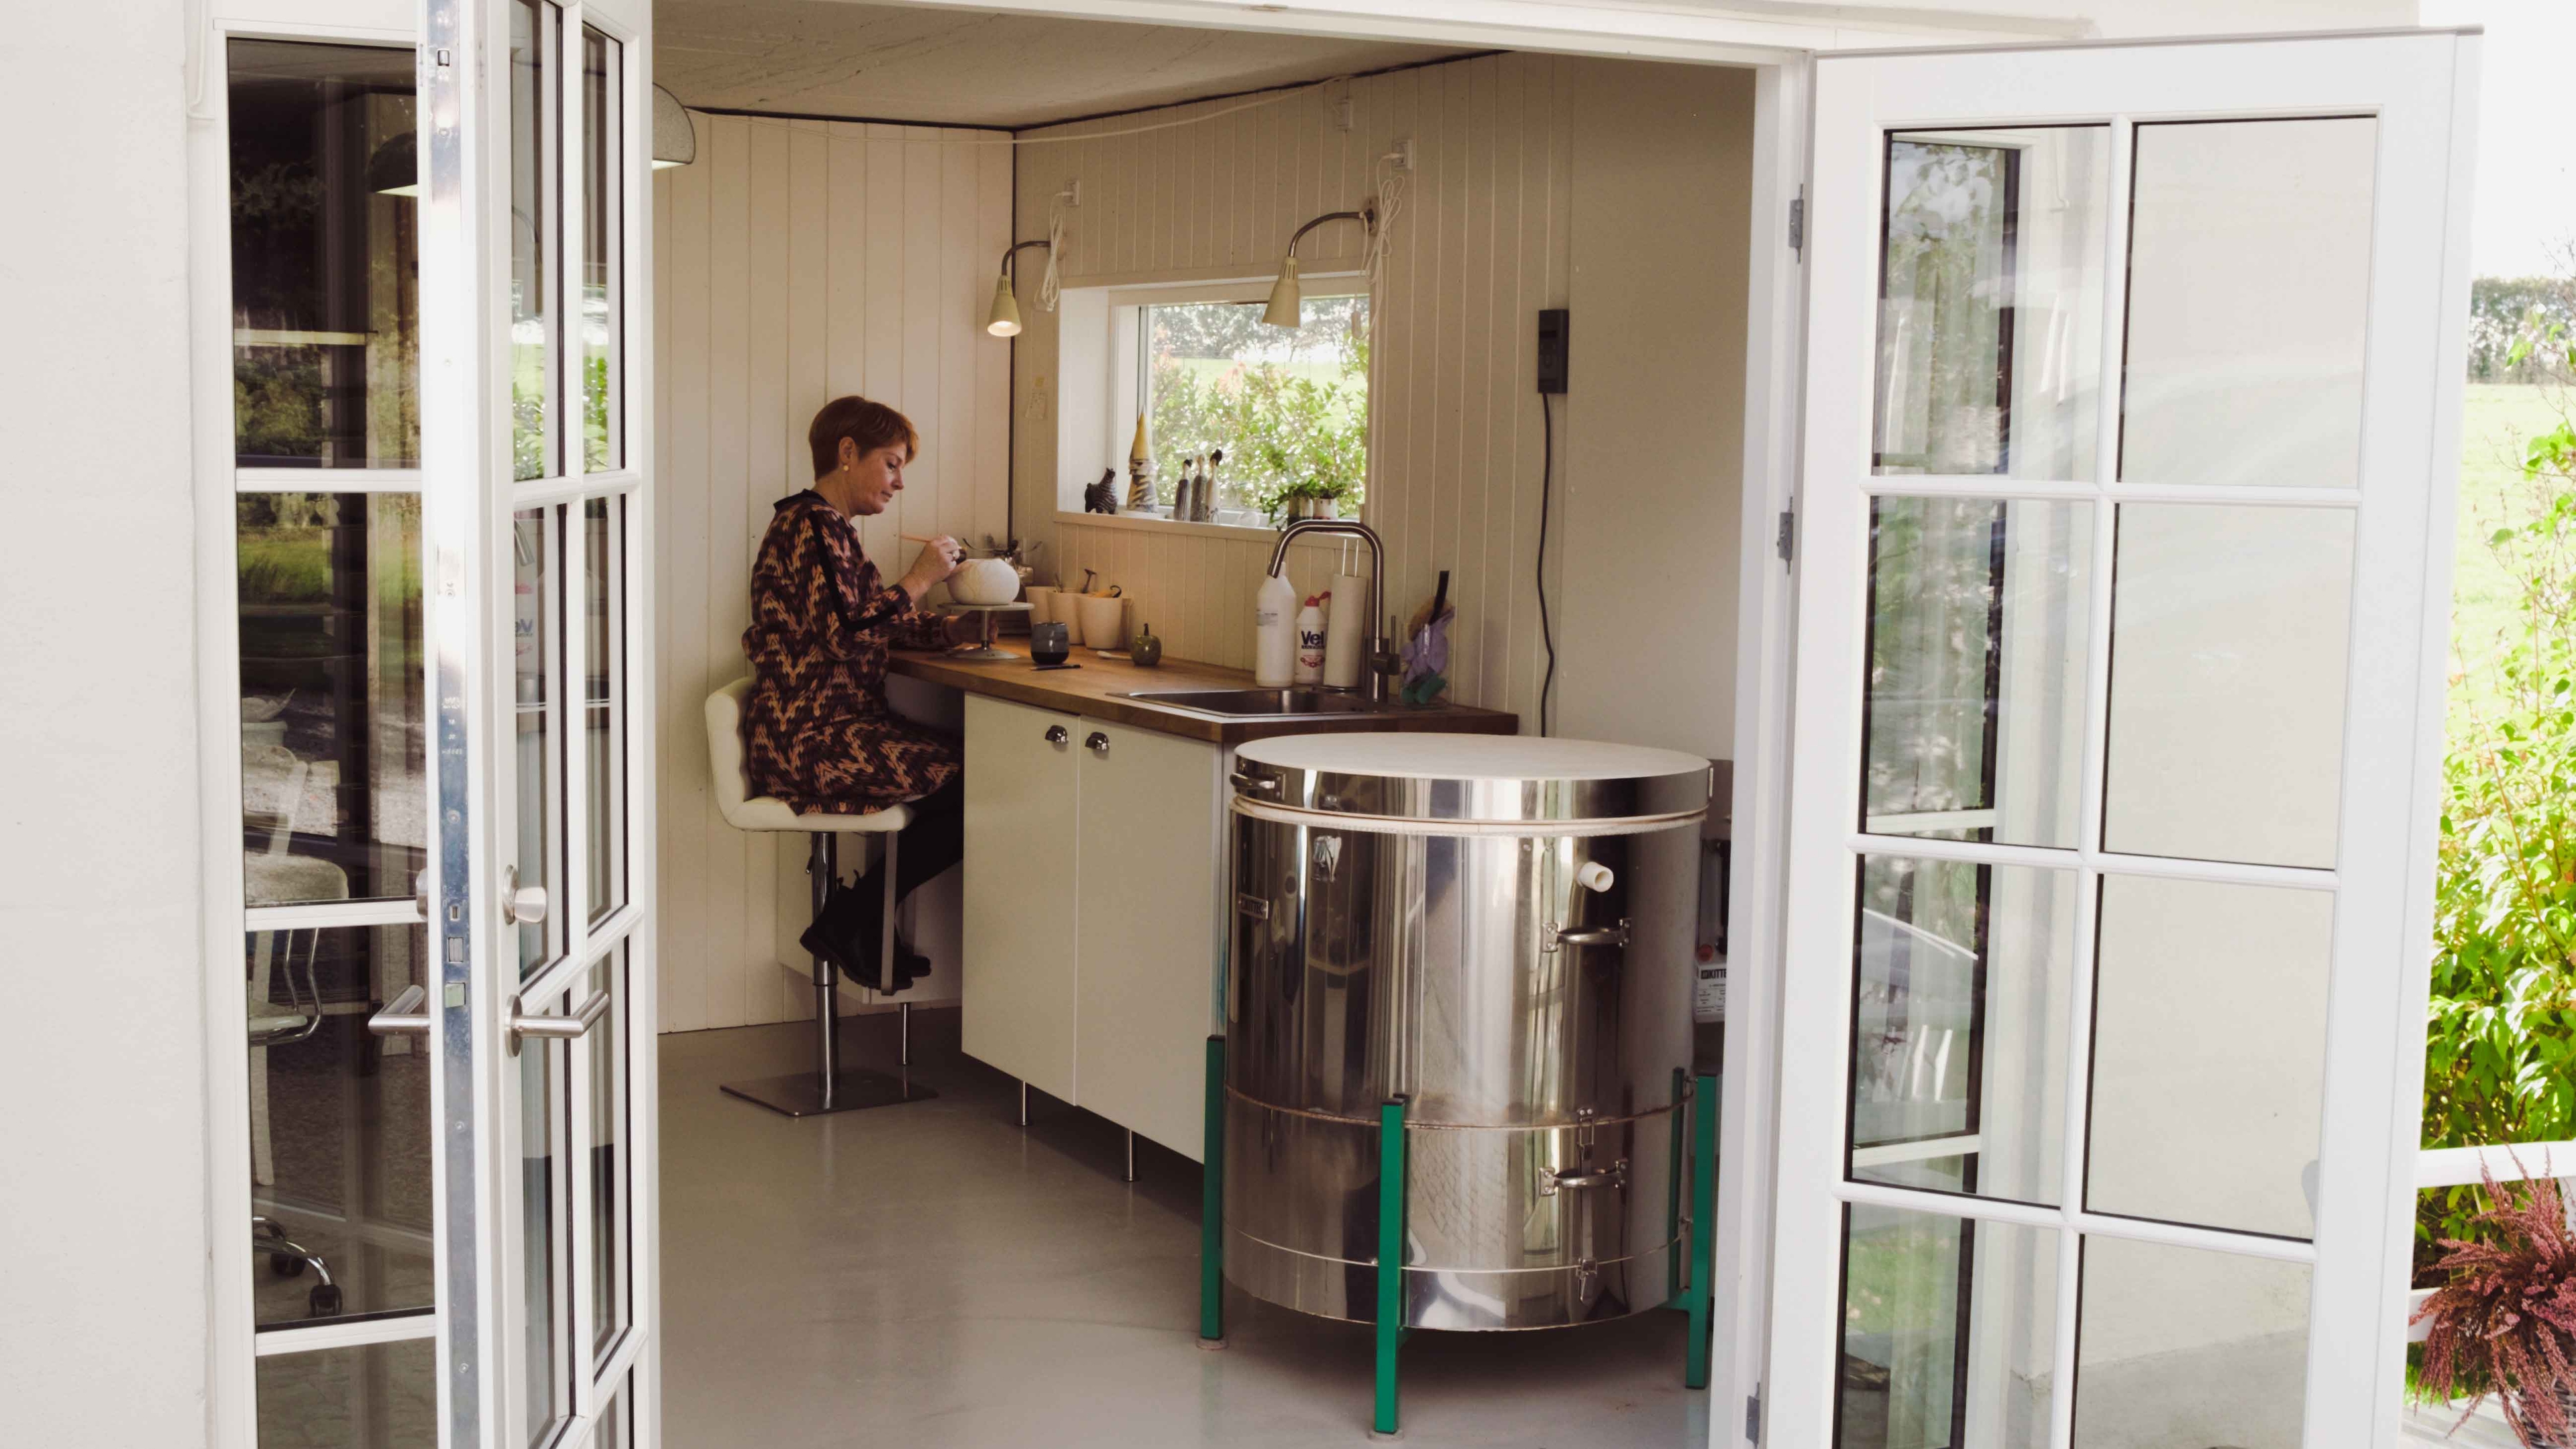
x: 1365, y: 216
x: 1018, y: 247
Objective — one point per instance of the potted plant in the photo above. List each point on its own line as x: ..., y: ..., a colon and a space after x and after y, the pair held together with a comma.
x: 2504, y: 1319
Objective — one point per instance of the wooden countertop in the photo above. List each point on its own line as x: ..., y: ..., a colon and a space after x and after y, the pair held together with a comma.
x: 1092, y: 691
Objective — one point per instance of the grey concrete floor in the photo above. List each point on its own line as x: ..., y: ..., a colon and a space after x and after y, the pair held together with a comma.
x: 932, y: 1275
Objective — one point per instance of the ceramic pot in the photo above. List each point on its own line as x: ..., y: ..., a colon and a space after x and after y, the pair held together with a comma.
x: 1104, y: 623
x: 985, y: 581
x: 1065, y: 607
x: 1323, y: 508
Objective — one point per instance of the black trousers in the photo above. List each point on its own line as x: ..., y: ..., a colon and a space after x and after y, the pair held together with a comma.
x: 934, y: 841
x: 851, y: 929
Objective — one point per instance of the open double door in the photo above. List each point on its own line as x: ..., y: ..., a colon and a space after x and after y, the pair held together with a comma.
x: 2130, y: 386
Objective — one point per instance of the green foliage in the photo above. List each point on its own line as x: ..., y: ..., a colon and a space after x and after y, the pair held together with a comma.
x: 2500, y: 1063
x: 1289, y: 427
x: 2507, y: 318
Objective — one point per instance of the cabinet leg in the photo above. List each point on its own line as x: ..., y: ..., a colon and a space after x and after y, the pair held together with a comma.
x: 1390, y: 1262
x: 1212, y: 1204
x: 903, y: 1034
x: 1131, y: 1157
x: 1703, y: 1233
x: 1024, y: 1104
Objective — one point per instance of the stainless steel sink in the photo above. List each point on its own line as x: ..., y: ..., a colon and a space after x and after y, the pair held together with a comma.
x: 1256, y: 703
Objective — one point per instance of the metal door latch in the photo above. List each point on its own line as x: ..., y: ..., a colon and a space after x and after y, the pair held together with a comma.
x: 1563, y: 1180
x: 1559, y: 936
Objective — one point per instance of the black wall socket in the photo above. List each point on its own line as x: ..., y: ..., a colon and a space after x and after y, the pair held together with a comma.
x: 1551, y: 350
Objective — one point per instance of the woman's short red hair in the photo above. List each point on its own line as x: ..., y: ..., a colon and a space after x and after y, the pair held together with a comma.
x: 871, y: 425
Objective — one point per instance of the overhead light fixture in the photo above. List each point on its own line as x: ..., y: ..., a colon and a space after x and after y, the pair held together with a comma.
x: 675, y: 136
x: 1286, y: 309
x: 1004, y: 318
x: 394, y: 168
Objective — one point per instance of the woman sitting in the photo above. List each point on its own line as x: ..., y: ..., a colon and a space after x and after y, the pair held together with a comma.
x: 817, y: 732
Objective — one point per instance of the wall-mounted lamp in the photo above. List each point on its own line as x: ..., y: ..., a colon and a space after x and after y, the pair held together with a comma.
x: 1285, y: 309
x: 1004, y: 319
x: 675, y: 136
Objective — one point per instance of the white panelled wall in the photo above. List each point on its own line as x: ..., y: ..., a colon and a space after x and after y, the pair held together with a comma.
x: 797, y: 261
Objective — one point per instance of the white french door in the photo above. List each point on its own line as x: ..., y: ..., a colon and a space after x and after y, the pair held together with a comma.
x: 535, y: 143
x: 2132, y: 378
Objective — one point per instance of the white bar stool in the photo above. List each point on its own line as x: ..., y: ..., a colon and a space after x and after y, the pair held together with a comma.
x: 828, y: 1088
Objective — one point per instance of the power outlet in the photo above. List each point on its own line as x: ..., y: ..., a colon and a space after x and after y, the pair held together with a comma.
x: 1551, y: 350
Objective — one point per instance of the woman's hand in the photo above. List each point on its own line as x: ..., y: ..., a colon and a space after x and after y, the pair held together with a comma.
x: 936, y: 561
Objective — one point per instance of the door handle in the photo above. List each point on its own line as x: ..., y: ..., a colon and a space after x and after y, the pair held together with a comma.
x: 1098, y: 744
x: 557, y: 1028
x: 1057, y: 734
x: 402, y: 1016
x: 521, y: 905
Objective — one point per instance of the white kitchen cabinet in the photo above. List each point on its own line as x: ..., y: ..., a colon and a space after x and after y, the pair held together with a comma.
x: 1017, y: 974
x: 1094, y: 870
x: 1152, y: 872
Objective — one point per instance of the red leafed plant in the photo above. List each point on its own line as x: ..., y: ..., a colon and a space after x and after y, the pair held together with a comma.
x: 2504, y: 1322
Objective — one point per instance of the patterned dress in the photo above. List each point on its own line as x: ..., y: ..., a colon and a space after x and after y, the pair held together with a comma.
x: 816, y: 731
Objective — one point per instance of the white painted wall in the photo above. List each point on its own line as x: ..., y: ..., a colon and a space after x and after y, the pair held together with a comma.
x: 1612, y: 188
x: 104, y: 1339
x: 795, y: 262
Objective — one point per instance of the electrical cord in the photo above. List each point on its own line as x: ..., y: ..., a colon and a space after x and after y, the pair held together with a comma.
x: 1546, y: 485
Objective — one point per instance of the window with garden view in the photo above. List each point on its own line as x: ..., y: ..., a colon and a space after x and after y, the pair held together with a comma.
x: 1289, y: 408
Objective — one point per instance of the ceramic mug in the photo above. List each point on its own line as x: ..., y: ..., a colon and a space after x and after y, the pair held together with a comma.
x: 1104, y: 623
x: 1048, y: 642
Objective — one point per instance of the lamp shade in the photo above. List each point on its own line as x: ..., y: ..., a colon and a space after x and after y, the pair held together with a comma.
x: 675, y: 136
x: 1004, y: 319
x: 394, y: 169
x: 1284, y: 310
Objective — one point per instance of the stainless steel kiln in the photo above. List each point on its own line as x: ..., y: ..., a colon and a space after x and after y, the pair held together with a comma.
x: 1497, y: 931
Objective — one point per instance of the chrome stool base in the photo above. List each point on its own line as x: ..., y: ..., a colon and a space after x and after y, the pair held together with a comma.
x: 801, y: 1094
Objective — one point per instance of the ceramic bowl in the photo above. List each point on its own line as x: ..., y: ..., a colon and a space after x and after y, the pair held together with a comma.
x: 984, y: 581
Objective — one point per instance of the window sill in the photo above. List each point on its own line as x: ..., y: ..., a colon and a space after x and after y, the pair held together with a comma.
x: 1240, y: 533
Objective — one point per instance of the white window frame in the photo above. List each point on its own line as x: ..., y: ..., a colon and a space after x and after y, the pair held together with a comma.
x: 1100, y: 358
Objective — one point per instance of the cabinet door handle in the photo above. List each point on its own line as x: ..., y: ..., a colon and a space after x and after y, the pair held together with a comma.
x: 1057, y: 734
x: 1098, y: 744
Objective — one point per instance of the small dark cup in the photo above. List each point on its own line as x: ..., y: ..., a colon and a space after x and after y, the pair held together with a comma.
x: 1048, y: 642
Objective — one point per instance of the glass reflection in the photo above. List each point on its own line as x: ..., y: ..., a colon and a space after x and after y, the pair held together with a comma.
x: 2184, y: 1347
x: 1974, y: 716
x: 2249, y: 299
x: 2203, y: 1114
x: 536, y: 150
x: 2228, y: 646
x: 604, y: 699
x: 1959, y: 1009
x: 325, y: 269
x: 339, y: 1126
x: 380, y: 1396
x: 541, y: 1193
x: 1990, y: 302
x: 333, y: 791
x: 603, y: 182
x: 606, y: 1089
x: 1949, y: 1332
x: 536, y: 626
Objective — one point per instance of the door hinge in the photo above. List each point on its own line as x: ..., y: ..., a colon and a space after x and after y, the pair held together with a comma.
x: 1787, y: 542
x: 1798, y: 224
x: 1753, y: 1417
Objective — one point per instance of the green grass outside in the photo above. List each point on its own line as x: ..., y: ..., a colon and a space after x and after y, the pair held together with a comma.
x: 2498, y: 420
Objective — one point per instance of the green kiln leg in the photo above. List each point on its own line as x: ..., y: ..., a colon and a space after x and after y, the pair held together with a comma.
x: 1212, y: 1205
x: 1703, y: 1227
x: 1390, y: 1259
x: 1673, y: 1192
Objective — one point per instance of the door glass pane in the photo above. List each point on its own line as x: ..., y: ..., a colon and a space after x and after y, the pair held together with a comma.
x: 2249, y: 290
x: 1990, y: 302
x: 535, y: 539
x: 1959, y: 1021
x: 2228, y: 644
x: 536, y: 150
x: 1949, y: 1332
x: 2209, y: 1009
x: 541, y: 1188
x: 1974, y: 723
x: 615, y: 1430
x: 604, y: 698
x: 603, y: 181
x: 325, y: 271
x: 379, y: 1396
x: 609, y: 1212
x: 333, y: 795
x: 2183, y: 1347
x: 339, y: 1126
